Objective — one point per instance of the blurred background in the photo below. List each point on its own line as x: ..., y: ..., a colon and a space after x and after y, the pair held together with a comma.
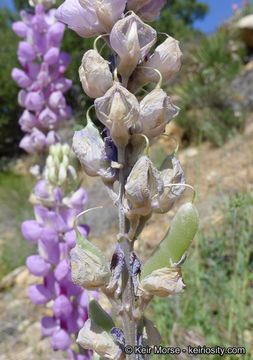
x: 214, y: 90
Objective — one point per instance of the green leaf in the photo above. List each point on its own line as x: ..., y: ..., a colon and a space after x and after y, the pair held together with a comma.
x: 99, y: 316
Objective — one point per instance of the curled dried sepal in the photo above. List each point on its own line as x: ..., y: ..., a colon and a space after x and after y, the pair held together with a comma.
x: 135, y: 271
x: 118, y: 110
x: 132, y: 40
x: 177, y: 240
x: 117, y: 265
x: 95, y: 74
x: 99, y: 316
x: 143, y: 185
x: 89, y: 267
x: 164, y: 282
x: 92, y: 337
x: 89, y: 147
x: 156, y: 110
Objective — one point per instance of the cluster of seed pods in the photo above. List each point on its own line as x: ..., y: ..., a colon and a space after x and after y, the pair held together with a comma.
x: 41, y: 78
x: 119, y: 155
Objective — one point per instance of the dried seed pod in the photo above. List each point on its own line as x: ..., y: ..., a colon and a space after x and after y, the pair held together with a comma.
x: 156, y: 111
x: 170, y: 194
x: 89, y: 147
x: 177, y: 240
x: 143, y: 185
x: 163, y: 282
x: 118, y: 110
x: 95, y: 74
x: 132, y: 40
x: 89, y: 267
x: 92, y: 337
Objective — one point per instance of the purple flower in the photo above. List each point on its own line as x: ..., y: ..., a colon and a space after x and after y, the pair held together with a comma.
x: 83, y: 20
x: 48, y: 326
x: 20, y: 28
x: 41, y: 189
x: 61, y: 340
x: 31, y: 230
x: 26, y: 52
x: 52, y: 56
x: 62, y: 306
x: 55, y: 34
x: 39, y: 294
x: 48, y: 119
x: 34, y: 101
x: 27, y: 121
x: 21, y: 78
x: 37, y: 265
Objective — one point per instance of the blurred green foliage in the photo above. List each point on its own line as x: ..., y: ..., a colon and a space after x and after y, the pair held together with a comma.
x: 217, y: 304
x: 205, y: 92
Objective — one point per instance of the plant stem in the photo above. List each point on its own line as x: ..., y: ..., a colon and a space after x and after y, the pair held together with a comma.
x: 129, y: 325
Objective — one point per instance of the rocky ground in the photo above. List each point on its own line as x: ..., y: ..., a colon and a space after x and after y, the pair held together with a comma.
x: 213, y: 171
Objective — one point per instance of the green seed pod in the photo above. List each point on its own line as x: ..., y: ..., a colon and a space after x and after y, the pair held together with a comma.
x: 177, y: 240
x: 99, y: 316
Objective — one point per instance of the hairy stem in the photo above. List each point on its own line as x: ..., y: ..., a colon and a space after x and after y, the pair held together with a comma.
x: 129, y: 325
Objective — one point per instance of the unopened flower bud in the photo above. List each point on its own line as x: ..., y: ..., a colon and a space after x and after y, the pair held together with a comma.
x: 95, y: 74
x: 143, y: 184
x: 94, y: 338
x: 132, y: 40
x: 65, y: 149
x: 164, y: 282
x: 62, y: 175
x: 89, y: 267
x: 118, y: 110
x: 156, y: 111
x: 46, y: 3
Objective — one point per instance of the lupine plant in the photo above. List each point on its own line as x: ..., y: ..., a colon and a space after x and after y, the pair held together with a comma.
x: 41, y: 79
x: 55, y: 209
x: 119, y: 154
x: 56, y: 205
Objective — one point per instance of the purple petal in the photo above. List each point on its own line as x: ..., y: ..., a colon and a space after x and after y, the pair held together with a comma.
x: 48, y: 119
x: 62, y: 270
x: 21, y: 97
x: 55, y: 34
x: 41, y: 189
x: 49, y: 251
x: 82, y: 20
x: 27, y: 121
x: 37, y: 266
x: 31, y: 230
x: 48, y: 326
x: 52, y: 138
x: 52, y: 285
x: 62, y: 306
x: 39, y: 294
x: 34, y: 101
x: 78, y: 199
x: 61, y: 340
x: 62, y: 84
x: 151, y: 11
x: 52, y: 56
x: 57, y: 100
x: 19, y: 28
x: 84, y: 299
x: 26, y: 52
x: 21, y: 78
x: 58, y: 195
x: 64, y: 59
